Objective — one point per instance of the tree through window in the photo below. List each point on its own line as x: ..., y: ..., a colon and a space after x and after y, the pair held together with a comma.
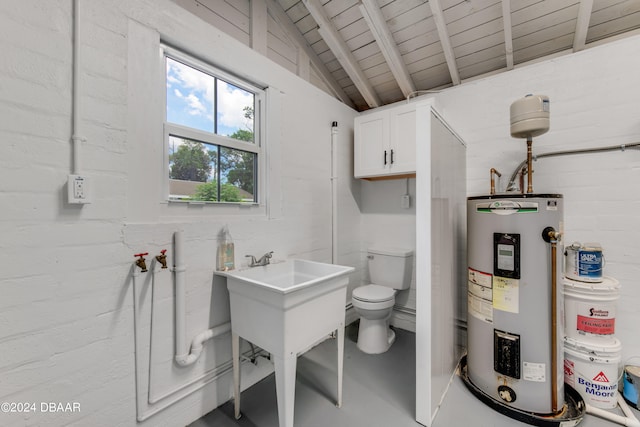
x: 210, y: 124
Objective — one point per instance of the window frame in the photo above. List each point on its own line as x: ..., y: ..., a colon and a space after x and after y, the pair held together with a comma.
x: 172, y: 129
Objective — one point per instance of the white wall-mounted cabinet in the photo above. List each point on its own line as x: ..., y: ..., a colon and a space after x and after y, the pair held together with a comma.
x: 385, y: 142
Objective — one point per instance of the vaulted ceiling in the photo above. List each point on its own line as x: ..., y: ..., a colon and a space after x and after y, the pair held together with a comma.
x: 375, y: 52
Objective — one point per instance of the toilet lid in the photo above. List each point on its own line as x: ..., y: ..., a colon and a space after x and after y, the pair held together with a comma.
x: 373, y: 293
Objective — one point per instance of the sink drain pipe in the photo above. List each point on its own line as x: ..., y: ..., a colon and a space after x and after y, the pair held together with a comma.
x: 186, y: 356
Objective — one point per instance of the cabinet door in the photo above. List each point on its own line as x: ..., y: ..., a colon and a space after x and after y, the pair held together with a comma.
x: 402, y: 125
x: 370, y: 144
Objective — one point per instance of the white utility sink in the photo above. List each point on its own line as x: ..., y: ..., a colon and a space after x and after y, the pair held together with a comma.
x: 304, y: 298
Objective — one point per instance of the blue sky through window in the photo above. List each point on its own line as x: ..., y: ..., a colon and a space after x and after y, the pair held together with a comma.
x: 191, y: 99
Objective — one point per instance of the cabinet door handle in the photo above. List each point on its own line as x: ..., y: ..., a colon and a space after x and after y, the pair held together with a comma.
x: 385, y: 157
x: 391, y: 156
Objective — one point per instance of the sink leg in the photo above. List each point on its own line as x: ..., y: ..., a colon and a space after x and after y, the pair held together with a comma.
x: 340, y: 339
x: 235, y: 350
x: 285, y: 387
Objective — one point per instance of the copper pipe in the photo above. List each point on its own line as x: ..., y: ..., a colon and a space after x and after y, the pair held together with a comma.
x: 552, y: 237
x: 554, y: 326
x: 493, y: 172
x: 529, y: 166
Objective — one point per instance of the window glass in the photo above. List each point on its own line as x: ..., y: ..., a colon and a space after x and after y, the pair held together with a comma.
x: 237, y: 173
x: 235, y: 112
x: 190, y: 97
x: 213, y: 149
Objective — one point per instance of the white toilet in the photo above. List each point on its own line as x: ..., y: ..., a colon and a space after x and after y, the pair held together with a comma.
x: 389, y: 270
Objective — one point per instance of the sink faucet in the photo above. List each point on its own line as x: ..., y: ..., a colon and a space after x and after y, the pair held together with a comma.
x: 264, y: 259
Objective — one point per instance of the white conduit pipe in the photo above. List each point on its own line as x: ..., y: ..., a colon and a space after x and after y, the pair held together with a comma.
x: 187, y: 356
x: 76, y: 139
x: 628, y: 420
x: 334, y: 193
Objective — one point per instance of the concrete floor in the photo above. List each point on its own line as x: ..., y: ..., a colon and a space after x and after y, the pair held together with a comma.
x: 379, y: 391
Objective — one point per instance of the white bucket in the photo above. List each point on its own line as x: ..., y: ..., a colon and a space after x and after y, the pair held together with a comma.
x: 592, y: 370
x: 584, y: 262
x: 590, y: 309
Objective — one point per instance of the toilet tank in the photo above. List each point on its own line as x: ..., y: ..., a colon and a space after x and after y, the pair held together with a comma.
x: 390, y: 267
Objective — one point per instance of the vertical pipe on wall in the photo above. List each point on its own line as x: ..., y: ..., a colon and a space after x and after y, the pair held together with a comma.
x: 187, y: 355
x: 76, y: 139
x: 179, y: 270
x: 334, y: 193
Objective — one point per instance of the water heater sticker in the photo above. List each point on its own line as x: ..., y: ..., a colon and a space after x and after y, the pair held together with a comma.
x: 552, y: 205
x: 505, y: 294
x: 480, y: 278
x: 534, y: 372
x: 480, y: 295
x: 480, y: 308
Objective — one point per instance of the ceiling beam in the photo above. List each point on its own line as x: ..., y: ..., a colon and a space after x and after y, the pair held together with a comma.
x: 258, y: 26
x: 441, y: 25
x: 378, y: 26
x: 342, y: 52
x: 508, y: 36
x: 281, y: 17
x: 582, y: 24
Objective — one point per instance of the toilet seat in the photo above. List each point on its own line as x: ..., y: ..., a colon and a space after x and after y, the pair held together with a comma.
x: 373, y: 293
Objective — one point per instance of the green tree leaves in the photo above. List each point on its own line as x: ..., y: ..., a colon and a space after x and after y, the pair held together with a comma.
x: 190, y: 162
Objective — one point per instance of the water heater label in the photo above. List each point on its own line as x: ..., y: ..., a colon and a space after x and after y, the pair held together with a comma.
x: 480, y: 278
x: 505, y: 294
x: 480, y: 295
x: 480, y: 308
x: 534, y: 372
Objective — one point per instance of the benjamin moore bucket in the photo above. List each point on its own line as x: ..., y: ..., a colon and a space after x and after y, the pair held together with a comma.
x: 584, y: 262
x: 590, y: 309
x: 592, y: 370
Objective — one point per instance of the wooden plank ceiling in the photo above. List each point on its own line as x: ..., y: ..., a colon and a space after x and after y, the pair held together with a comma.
x: 382, y: 51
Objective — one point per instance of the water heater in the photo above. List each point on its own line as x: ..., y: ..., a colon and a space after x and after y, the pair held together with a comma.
x: 511, y: 355
x: 515, y: 322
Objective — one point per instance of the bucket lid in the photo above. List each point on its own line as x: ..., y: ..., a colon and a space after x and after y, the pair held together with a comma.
x: 391, y: 251
x: 607, y: 284
x: 603, y: 348
x: 373, y: 293
x: 633, y: 370
x: 592, y: 246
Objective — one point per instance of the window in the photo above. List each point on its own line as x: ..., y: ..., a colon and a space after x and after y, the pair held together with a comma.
x: 211, y: 133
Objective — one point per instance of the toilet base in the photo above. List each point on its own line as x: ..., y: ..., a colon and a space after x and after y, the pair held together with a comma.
x: 375, y: 336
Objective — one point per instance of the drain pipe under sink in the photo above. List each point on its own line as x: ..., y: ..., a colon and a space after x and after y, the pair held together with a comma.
x: 187, y: 355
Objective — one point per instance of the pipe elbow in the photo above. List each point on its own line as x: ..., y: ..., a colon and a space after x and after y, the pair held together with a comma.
x: 185, y: 359
x: 195, y: 351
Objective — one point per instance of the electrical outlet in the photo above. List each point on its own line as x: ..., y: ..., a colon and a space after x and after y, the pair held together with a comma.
x: 406, y: 201
x: 79, y: 189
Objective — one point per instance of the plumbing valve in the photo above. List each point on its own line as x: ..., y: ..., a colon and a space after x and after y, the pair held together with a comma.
x: 140, y: 261
x: 162, y: 258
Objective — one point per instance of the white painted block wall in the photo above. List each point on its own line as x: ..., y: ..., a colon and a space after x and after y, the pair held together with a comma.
x: 595, y: 101
x: 67, y: 308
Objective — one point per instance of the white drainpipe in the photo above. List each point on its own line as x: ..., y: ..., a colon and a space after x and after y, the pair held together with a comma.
x: 187, y: 355
x: 628, y: 420
x: 334, y: 193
